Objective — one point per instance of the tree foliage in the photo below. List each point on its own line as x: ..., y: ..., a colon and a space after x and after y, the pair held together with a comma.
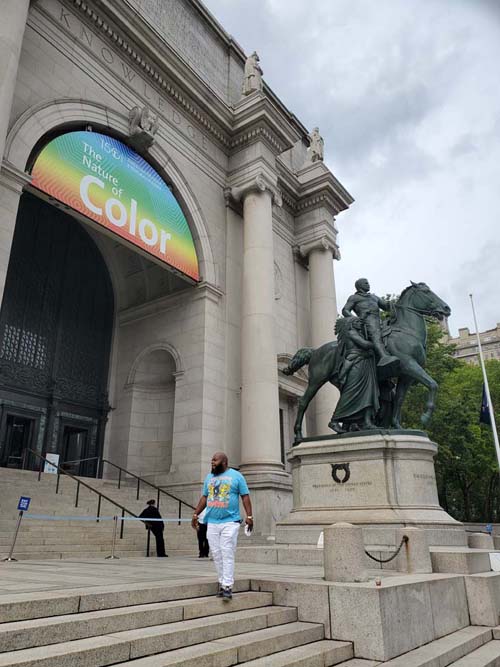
x: 466, y: 465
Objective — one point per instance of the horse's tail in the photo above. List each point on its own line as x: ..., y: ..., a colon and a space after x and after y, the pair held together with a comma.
x: 300, y: 358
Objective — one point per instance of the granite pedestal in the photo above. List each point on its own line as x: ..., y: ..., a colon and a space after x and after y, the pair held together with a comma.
x: 379, y: 480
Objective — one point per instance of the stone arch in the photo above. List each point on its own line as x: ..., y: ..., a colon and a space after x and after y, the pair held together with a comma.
x: 150, y: 404
x: 161, y: 345
x: 46, y: 117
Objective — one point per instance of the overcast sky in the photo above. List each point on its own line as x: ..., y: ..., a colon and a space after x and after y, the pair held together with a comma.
x: 406, y: 94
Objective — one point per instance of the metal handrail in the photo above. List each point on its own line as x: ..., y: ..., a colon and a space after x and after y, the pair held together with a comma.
x: 145, y: 481
x: 79, y: 482
x: 91, y: 458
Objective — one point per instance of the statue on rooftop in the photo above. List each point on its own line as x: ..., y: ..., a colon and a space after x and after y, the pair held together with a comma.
x: 253, y: 75
x: 316, y: 149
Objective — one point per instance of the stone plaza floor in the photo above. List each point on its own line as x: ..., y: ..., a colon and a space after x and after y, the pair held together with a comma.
x: 58, y: 575
x: 32, y: 576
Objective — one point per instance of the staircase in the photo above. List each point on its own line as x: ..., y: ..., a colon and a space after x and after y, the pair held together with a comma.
x: 49, y: 539
x: 164, y: 626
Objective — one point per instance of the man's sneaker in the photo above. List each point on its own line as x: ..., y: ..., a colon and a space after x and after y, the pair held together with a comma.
x: 220, y: 591
x: 227, y: 594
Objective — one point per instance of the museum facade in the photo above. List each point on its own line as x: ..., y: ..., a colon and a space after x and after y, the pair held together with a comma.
x: 167, y: 244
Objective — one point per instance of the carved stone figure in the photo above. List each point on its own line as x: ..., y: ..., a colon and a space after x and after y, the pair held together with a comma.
x: 367, y: 307
x: 316, y: 149
x: 253, y: 75
x: 142, y: 126
x: 356, y: 377
x: 405, y: 338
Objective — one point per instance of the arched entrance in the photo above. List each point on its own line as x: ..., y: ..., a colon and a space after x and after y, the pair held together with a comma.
x: 56, y: 325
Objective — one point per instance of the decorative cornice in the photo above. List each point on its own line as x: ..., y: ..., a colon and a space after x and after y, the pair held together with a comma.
x: 259, y: 183
x: 149, y: 70
x: 13, y: 178
x: 258, y: 132
x: 256, y: 118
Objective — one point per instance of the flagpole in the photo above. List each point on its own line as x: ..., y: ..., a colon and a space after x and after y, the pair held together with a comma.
x: 486, y: 385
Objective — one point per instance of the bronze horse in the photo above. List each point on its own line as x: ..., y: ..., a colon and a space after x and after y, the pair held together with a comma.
x: 405, y: 336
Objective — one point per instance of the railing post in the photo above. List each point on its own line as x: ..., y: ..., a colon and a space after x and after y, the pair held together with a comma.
x: 138, y: 487
x: 12, y: 546
x: 57, y: 483
x: 99, y: 508
x: 158, y: 498
x: 40, y: 470
x: 148, y: 542
x: 119, y: 477
x: 121, y: 527
x: 180, y: 512
x: 77, y: 493
x: 113, y: 545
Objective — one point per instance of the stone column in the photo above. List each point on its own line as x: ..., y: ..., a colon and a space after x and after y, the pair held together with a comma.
x: 14, y: 14
x: 260, y: 435
x: 12, y: 181
x: 323, y: 315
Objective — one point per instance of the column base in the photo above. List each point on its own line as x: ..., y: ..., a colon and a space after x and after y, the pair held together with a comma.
x: 271, y: 496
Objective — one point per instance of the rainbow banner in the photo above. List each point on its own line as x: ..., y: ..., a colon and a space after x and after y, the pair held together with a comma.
x: 109, y: 183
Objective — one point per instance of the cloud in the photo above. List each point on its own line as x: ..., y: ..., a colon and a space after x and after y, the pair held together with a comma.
x: 407, y: 99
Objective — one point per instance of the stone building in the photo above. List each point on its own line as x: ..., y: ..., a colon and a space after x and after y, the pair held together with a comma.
x: 167, y: 243
x: 466, y: 344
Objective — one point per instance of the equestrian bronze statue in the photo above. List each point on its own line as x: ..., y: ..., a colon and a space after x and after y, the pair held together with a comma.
x: 373, y: 363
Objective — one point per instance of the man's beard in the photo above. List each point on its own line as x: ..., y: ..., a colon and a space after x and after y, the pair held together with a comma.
x: 216, y: 470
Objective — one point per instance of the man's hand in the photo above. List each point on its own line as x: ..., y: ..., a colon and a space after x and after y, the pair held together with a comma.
x: 249, y: 521
x: 194, y: 521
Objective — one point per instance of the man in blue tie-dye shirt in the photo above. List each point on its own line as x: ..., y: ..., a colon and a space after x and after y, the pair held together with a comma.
x: 221, y: 498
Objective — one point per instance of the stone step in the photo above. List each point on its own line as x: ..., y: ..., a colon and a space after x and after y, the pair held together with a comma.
x: 41, y: 632
x: 360, y: 662
x: 133, y: 552
x: 485, y: 656
x: 263, y: 644
x: 460, y: 560
x: 323, y: 653
x: 133, y: 644
x: 446, y: 650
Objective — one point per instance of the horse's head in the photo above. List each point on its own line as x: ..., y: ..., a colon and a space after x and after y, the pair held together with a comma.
x: 422, y: 298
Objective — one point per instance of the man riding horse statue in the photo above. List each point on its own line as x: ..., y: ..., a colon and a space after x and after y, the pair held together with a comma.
x: 372, y: 363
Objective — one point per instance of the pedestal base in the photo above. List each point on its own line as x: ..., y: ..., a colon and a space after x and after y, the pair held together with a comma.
x: 380, y: 480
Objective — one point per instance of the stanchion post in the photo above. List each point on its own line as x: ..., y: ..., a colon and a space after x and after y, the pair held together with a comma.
x: 113, y: 546
x: 148, y: 542
x: 18, y: 525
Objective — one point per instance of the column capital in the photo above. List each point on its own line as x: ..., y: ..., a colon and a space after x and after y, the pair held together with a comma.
x: 324, y: 243
x: 258, y: 183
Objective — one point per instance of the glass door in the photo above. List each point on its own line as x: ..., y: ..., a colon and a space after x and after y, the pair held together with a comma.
x: 74, y: 449
x: 18, y: 433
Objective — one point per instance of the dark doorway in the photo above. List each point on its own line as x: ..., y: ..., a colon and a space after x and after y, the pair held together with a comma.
x: 18, y: 438
x: 56, y: 324
x: 75, y: 442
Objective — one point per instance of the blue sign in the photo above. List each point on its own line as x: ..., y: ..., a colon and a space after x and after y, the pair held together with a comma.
x: 23, y: 504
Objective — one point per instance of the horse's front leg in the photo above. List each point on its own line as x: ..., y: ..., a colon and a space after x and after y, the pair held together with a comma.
x: 404, y: 383
x: 418, y: 374
x: 304, y: 401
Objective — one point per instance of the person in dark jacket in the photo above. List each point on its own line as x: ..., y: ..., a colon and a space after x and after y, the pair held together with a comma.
x: 156, y: 527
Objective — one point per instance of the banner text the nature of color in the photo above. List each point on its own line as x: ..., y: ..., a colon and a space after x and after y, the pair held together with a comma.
x: 107, y: 181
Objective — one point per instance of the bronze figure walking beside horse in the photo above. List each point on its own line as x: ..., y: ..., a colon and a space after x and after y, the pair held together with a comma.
x: 404, y: 335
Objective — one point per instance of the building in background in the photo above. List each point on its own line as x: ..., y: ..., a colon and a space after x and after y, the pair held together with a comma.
x: 466, y: 344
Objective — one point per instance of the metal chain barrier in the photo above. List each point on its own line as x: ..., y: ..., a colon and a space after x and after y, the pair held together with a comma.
x: 404, y: 540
